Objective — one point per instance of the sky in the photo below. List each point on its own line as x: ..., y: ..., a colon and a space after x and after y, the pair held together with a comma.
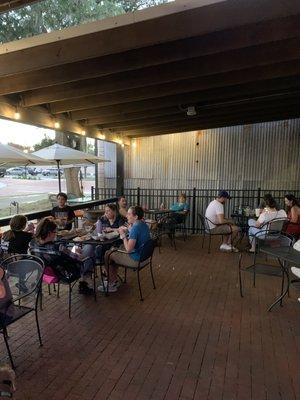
x: 25, y: 135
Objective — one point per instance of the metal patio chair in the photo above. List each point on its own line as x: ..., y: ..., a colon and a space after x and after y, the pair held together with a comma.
x: 23, y: 274
x: 146, y: 254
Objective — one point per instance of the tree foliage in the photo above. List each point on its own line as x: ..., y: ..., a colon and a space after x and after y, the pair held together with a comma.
x: 49, y: 15
x: 45, y: 142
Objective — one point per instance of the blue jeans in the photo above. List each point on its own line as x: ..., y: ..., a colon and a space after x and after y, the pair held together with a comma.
x: 253, y: 231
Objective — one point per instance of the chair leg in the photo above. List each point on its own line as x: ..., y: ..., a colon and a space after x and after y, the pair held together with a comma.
x: 152, y: 277
x: 38, y: 327
x: 58, y: 287
x: 54, y: 287
x: 5, y: 336
x: 41, y: 298
x: 240, y: 275
x: 254, y: 269
x: 70, y: 298
x: 94, y: 283
x: 139, y: 282
x: 49, y: 290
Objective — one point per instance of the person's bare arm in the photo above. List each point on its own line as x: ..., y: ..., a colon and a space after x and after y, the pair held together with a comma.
x: 128, y: 243
x: 223, y: 220
x: 294, y: 215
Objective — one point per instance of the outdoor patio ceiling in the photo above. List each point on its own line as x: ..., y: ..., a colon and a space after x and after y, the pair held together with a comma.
x: 235, y: 61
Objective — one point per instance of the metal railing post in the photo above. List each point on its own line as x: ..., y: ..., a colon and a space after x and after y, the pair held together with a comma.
x: 92, y: 193
x: 138, y: 196
x: 194, y: 210
x: 258, y: 196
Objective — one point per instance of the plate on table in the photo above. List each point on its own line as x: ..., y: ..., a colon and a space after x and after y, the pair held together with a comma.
x: 111, y: 235
x: 81, y: 238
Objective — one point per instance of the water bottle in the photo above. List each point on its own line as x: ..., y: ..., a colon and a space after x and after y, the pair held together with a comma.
x: 99, y: 226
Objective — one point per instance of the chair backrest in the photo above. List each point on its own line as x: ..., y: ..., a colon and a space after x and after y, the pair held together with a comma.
x: 204, y: 222
x: 278, y: 241
x: 146, y: 250
x: 24, y: 274
x: 274, y: 227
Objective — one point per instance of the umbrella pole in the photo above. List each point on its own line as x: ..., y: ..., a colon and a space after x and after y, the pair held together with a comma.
x: 59, y: 181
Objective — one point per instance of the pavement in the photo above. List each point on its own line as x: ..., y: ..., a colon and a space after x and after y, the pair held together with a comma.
x: 27, y: 190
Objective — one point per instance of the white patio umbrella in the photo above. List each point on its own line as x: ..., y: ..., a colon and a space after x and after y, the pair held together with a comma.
x: 10, y: 155
x: 66, y: 156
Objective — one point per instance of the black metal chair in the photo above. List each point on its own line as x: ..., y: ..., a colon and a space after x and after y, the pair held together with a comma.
x: 63, y: 274
x: 270, y: 234
x: 167, y: 226
x: 24, y: 277
x: 204, y: 222
x: 146, y: 254
x: 181, y: 219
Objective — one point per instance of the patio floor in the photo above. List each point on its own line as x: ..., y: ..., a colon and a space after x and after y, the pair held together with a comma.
x: 192, y: 338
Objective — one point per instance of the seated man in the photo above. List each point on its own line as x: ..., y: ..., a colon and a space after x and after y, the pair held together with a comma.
x: 181, y: 208
x: 218, y: 223
x: 62, y: 213
x: 122, y: 206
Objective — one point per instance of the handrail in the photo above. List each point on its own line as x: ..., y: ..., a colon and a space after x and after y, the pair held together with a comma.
x: 44, y: 213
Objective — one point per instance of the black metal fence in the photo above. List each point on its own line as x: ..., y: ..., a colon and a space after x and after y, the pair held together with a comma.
x: 198, y: 199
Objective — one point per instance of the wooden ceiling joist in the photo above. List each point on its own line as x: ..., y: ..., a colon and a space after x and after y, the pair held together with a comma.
x: 235, y: 61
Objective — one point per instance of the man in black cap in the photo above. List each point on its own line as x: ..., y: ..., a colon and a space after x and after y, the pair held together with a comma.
x: 218, y: 223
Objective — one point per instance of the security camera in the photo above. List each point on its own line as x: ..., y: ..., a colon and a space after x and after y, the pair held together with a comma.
x: 191, y: 111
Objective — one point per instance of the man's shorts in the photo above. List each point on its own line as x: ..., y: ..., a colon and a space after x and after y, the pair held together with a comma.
x: 221, y: 229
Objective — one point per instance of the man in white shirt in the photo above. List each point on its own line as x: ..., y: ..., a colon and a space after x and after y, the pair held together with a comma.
x: 217, y: 222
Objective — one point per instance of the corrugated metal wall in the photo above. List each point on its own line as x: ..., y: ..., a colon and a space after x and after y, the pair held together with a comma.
x: 263, y: 155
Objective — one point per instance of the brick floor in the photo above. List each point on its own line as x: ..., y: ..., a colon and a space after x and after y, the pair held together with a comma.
x: 192, y: 338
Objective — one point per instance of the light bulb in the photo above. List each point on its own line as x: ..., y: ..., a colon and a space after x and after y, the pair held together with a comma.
x: 56, y: 125
x: 17, y: 115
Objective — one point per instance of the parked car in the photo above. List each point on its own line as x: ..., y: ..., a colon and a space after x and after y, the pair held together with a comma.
x: 51, y: 172
x: 17, y: 171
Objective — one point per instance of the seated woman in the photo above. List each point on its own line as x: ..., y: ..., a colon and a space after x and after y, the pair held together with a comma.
x: 139, y: 234
x: 293, y: 214
x: 269, y: 213
x: 54, y: 253
x: 19, y: 235
x: 110, y: 221
x: 181, y: 208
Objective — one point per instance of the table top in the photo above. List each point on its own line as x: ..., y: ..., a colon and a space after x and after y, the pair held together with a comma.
x: 78, y: 200
x: 157, y: 211
x: 285, y: 253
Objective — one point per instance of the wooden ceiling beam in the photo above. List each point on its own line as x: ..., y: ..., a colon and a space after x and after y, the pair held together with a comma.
x: 165, y: 53
x: 270, y: 89
x: 132, y: 116
x: 174, y: 121
x: 204, y: 113
x: 188, y: 23
x: 256, y: 63
x: 210, y: 124
x: 176, y: 93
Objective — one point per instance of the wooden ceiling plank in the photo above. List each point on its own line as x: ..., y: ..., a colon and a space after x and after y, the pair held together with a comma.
x: 249, y: 64
x: 174, y: 118
x: 181, y: 93
x: 164, y: 53
x: 236, y: 93
x: 206, y: 124
x: 188, y: 23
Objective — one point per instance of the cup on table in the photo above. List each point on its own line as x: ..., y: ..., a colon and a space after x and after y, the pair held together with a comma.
x: 257, y: 212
